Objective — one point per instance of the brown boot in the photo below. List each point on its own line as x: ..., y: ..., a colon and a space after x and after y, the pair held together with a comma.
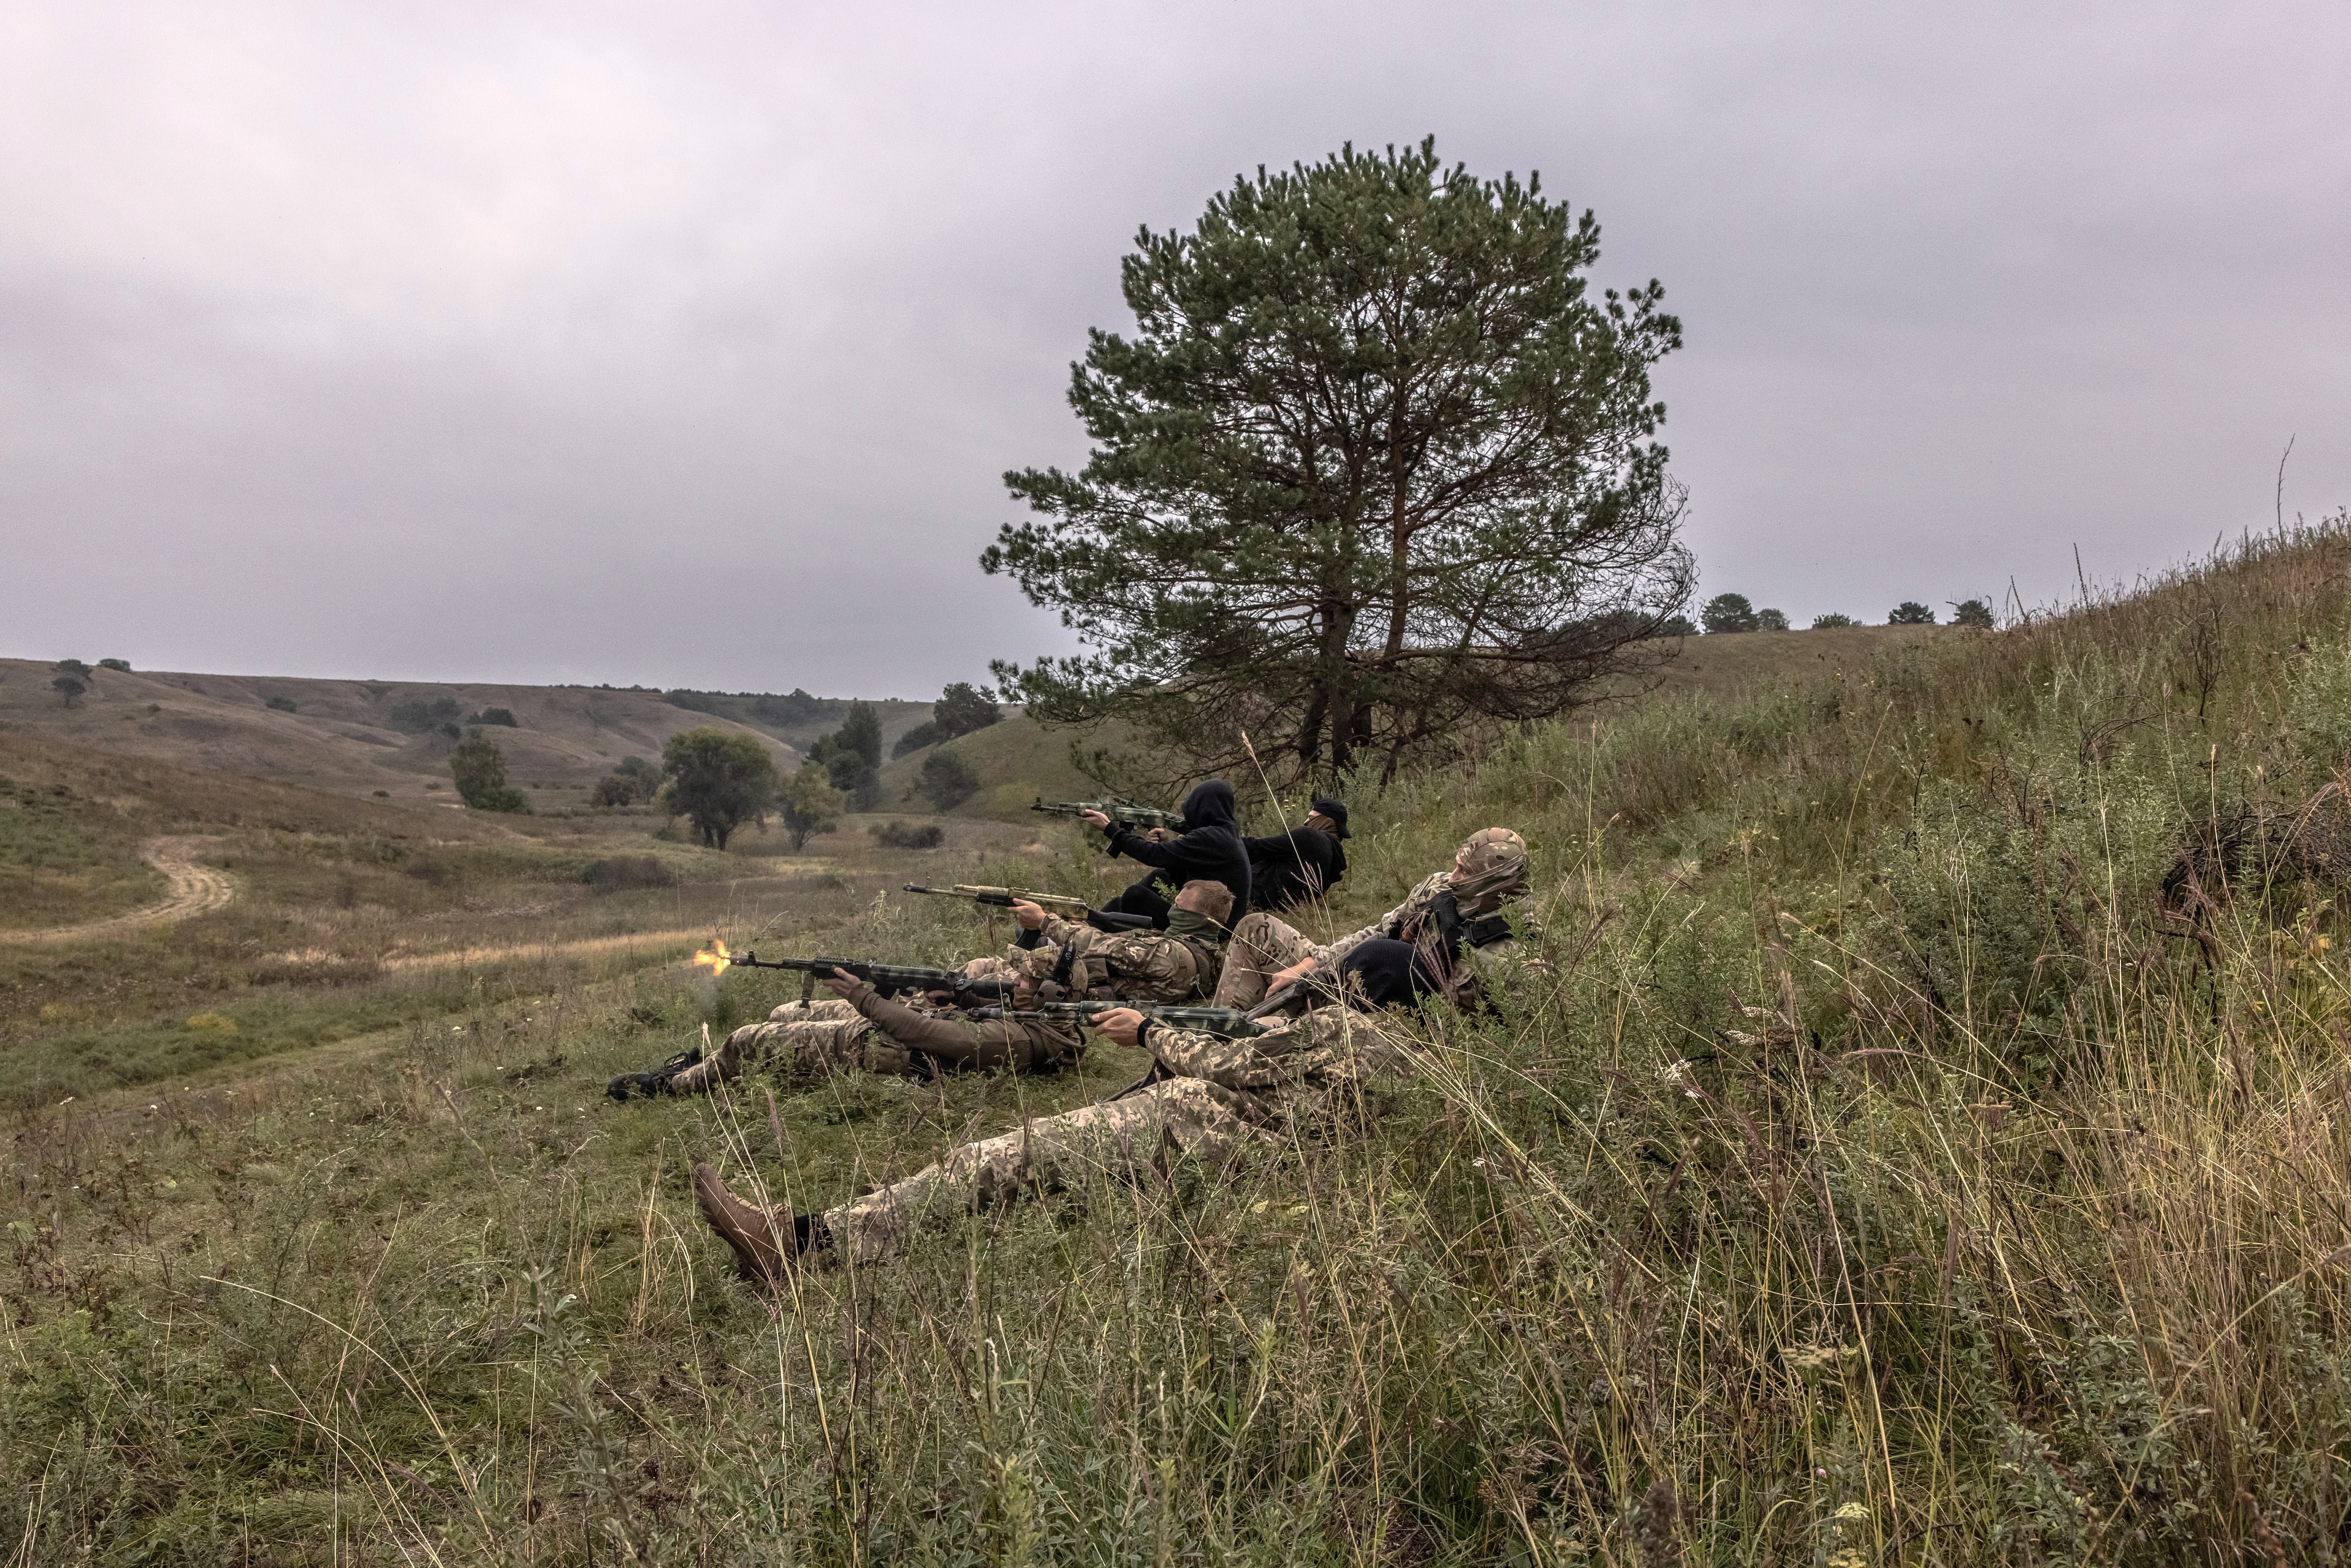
x: 761, y: 1246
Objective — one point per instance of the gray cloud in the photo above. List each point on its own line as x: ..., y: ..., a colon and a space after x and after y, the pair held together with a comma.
x: 687, y: 345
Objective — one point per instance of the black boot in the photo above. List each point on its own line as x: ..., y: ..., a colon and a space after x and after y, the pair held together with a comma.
x: 646, y: 1085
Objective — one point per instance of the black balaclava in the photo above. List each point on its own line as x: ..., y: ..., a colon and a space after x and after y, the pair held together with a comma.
x: 1209, y: 805
x: 1386, y: 973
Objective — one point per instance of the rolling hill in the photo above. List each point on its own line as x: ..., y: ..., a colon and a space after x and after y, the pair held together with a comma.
x: 371, y: 737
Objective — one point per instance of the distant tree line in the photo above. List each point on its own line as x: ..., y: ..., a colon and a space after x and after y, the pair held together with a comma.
x: 1733, y: 612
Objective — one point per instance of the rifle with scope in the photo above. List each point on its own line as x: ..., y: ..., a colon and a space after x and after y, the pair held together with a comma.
x: 1059, y: 903
x: 1127, y: 812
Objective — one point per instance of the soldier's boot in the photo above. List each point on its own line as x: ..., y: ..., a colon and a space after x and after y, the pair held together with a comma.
x: 762, y: 1247
x: 662, y: 1080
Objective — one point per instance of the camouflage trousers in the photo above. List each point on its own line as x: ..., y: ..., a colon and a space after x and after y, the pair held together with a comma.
x: 1261, y: 946
x: 814, y: 1038
x: 1120, y: 1140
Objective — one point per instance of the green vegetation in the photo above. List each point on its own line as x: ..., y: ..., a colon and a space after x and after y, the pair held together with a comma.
x: 947, y: 781
x: 809, y: 805
x: 1972, y: 612
x: 1910, y: 612
x: 122, y: 664
x: 717, y: 780
x: 851, y: 757
x: 281, y: 705
x: 909, y: 836
x: 1882, y: 1171
x: 420, y: 717
x: 479, y: 769
x: 1833, y: 618
x: 1300, y: 519
x: 961, y: 709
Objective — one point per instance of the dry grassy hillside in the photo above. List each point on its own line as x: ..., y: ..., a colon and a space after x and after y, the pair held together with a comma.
x: 344, y: 735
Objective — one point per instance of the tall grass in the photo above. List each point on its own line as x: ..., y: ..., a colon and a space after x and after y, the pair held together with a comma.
x: 1877, y: 1172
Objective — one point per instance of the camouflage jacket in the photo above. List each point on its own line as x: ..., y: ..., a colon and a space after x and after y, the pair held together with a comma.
x: 1408, y: 921
x: 1031, y: 1045
x: 1135, y: 966
x: 1309, y: 1071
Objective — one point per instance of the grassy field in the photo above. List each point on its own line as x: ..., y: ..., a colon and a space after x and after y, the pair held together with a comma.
x: 1878, y: 1173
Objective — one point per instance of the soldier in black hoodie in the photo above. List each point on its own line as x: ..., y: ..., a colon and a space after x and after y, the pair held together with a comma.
x: 1210, y: 848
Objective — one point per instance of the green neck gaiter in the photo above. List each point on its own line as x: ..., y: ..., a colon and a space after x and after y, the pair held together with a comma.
x: 1191, y: 925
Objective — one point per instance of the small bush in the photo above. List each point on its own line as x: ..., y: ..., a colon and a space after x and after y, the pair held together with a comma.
x: 926, y: 733
x: 72, y: 667
x: 504, y: 717
x: 1972, y: 612
x: 383, y: 794
x: 618, y: 873
x: 69, y: 689
x: 122, y: 664
x: 946, y: 779
x: 282, y: 704
x: 1833, y: 618
x: 1910, y: 612
x: 422, y: 717
x: 620, y: 789
x: 479, y: 768
x: 1771, y: 621
x: 1677, y: 626
x: 899, y: 835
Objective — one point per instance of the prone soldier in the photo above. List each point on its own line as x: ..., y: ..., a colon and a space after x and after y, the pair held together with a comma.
x: 1140, y: 966
x: 862, y: 1031
x: 1304, y: 1079
x: 1454, y: 916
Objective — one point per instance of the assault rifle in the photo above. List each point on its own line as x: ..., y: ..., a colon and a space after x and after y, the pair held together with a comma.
x: 890, y: 979
x: 1126, y: 811
x: 1061, y: 902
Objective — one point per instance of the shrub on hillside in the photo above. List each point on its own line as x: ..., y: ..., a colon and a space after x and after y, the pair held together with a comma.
x: 1910, y: 612
x: 615, y: 790
x: 1727, y: 613
x: 947, y: 781
x: 281, y: 705
x: 1677, y: 626
x: 809, y: 805
x: 790, y: 711
x: 504, y: 717
x: 1972, y: 612
x: 69, y: 689
x: 1833, y: 618
x: 479, y: 770
x: 122, y: 664
x: 72, y: 667
x: 421, y: 716
x: 851, y: 757
x: 900, y: 835
x: 1771, y: 621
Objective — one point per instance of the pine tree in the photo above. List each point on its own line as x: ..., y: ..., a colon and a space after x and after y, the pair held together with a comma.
x: 1373, y: 464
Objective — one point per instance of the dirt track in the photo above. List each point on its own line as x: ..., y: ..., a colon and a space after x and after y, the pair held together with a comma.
x: 196, y: 890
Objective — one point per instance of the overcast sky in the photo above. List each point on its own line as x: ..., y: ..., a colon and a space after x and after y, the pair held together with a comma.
x: 685, y: 343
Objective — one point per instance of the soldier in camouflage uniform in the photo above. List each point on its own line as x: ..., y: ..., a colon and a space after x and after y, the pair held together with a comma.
x: 1453, y: 916
x: 1304, y: 1081
x: 1161, y: 967
x: 862, y: 1031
